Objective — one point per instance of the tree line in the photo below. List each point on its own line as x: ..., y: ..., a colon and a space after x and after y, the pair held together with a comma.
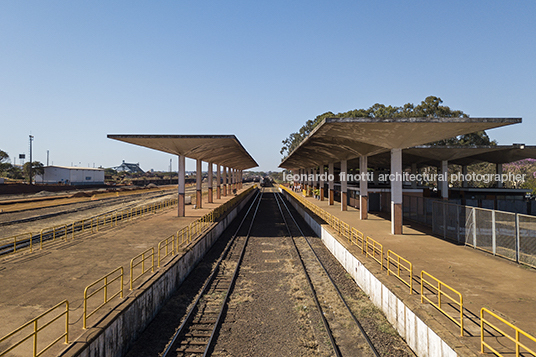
x: 429, y: 108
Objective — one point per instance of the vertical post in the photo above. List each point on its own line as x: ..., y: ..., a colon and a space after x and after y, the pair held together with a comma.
x: 315, y: 180
x: 474, y: 227
x: 445, y: 182
x: 493, y: 234
x: 518, y: 239
x: 499, y: 168
x: 331, y: 193
x: 218, y: 181
x: 210, y: 196
x: 198, y: 182
x: 414, y: 172
x: 464, y: 174
x: 363, y: 187
x: 181, y: 181
x: 396, y: 191
x: 224, y: 177
x: 322, y: 173
x: 344, y: 185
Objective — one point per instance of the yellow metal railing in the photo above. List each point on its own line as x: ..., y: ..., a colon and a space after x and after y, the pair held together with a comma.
x: 92, y: 225
x: 105, y: 281
x: 441, y: 289
x: 403, y: 269
x: 104, y: 284
x: 140, y: 260
x: 514, y: 336
x: 37, y: 328
x: 357, y: 238
x: 374, y: 250
x: 18, y: 242
x: 168, y: 246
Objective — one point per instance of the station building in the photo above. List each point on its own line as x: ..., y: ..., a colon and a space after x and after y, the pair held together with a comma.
x: 76, y: 176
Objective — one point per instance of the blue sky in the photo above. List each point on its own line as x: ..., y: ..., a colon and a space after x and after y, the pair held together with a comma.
x: 72, y: 72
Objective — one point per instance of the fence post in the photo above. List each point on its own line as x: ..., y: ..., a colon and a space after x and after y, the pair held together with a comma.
x: 458, y: 224
x: 474, y: 227
x: 517, y: 238
x: 493, y: 234
x: 444, y: 208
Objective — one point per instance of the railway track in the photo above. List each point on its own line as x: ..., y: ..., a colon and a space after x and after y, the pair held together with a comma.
x: 305, y: 249
x: 71, y: 228
x: 196, y: 333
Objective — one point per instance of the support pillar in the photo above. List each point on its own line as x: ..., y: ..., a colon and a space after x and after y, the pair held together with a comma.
x: 445, y: 182
x: 210, y: 195
x: 218, y: 181
x: 182, y: 189
x: 331, y: 192
x: 344, y: 185
x: 224, y: 178
x: 198, y: 183
x: 464, y: 174
x: 414, y: 173
x: 500, y: 172
x: 396, y: 191
x: 322, y: 182
x: 363, y: 187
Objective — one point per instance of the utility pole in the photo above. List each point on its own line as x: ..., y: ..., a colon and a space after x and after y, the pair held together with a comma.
x: 47, y: 157
x: 31, y: 139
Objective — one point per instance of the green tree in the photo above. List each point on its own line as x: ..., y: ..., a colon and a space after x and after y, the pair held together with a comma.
x: 4, y: 161
x: 37, y: 168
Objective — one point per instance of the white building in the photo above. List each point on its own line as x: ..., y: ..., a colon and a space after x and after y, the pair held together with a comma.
x: 71, y: 176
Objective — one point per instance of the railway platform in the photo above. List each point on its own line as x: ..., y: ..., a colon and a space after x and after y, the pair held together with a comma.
x: 32, y: 283
x: 484, y: 281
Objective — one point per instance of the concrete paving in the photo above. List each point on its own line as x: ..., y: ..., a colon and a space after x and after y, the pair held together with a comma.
x: 31, y: 283
x: 504, y: 287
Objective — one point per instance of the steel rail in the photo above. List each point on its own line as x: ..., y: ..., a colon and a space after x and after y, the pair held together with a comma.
x: 363, y: 332
x: 211, y: 278
x: 315, y: 297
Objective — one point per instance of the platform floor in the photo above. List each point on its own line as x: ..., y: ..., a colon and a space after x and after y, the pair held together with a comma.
x: 32, y: 283
x: 504, y: 287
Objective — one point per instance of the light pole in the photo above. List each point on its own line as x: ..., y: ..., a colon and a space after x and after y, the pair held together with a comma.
x: 31, y: 139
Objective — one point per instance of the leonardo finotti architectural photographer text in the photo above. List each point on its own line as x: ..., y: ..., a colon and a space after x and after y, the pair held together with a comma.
x: 409, y: 177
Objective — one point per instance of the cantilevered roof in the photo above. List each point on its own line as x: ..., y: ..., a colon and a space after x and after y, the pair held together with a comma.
x: 223, y: 150
x: 338, y: 139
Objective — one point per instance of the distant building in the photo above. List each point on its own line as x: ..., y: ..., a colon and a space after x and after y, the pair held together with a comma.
x: 130, y: 168
x: 75, y: 176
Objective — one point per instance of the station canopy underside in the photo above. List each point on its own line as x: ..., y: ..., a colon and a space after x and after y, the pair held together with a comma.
x: 224, y: 150
x: 337, y: 139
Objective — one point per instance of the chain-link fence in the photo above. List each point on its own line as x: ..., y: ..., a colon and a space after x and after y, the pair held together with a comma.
x: 506, y: 234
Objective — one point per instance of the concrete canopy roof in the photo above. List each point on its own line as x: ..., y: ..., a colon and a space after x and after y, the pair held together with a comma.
x: 337, y: 139
x: 223, y: 150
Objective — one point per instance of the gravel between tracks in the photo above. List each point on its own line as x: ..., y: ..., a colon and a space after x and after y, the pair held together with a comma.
x: 271, y: 311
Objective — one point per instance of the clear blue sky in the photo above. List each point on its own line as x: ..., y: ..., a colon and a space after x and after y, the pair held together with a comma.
x: 72, y: 72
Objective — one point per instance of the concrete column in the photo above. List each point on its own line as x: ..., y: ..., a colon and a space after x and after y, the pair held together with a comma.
x: 331, y: 193
x: 182, y: 188
x: 344, y: 185
x: 321, y: 182
x: 464, y: 173
x: 363, y: 187
x: 396, y: 191
x: 233, y: 180
x: 218, y: 181
x: 210, y: 173
x: 198, y: 182
x: 223, y: 187
x: 414, y: 172
x: 499, y: 172
x: 445, y: 183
